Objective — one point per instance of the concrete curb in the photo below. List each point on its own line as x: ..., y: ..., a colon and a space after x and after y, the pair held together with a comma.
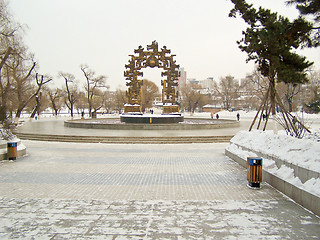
x: 21, y: 150
x: 123, y: 139
x: 87, y: 123
x: 302, y: 197
x: 304, y: 174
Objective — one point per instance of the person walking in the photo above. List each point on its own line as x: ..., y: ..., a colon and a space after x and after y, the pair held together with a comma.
x: 238, y: 116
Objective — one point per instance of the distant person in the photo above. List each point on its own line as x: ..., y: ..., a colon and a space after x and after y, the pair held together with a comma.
x: 217, y: 116
x: 211, y: 115
x: 263, y: 116
x: 238, y: 116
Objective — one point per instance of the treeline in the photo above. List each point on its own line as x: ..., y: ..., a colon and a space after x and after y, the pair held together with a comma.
x: 24, y: 88
x: 247, y: 94
x: 269, y: 40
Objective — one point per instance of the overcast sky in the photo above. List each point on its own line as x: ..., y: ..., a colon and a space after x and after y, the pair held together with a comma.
x: 63, y: 34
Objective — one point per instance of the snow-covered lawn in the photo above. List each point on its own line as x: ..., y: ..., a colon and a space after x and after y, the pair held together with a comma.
x: 304, y: 153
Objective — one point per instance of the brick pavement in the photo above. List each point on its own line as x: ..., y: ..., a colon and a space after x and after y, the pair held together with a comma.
x: 101, y: 191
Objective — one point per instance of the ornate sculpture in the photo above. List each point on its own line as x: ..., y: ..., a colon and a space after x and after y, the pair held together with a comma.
x: 152, y: 58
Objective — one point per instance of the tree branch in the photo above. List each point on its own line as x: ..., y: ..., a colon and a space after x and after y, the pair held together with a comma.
x: 5, y: 57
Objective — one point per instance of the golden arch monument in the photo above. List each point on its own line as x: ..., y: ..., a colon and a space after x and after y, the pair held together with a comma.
x: 152, y: 57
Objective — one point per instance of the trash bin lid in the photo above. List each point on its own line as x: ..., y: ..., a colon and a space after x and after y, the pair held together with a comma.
x: 12, y: 144
x: 254, y: 161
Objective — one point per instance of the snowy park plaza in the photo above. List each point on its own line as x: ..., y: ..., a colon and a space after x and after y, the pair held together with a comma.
x: 65, y: 190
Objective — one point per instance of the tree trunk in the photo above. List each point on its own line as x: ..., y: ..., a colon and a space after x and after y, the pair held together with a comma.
x: 34, y: 111
x: 36, y: 108
x: 273, y: 95
x: 54, y: 108
x: 71, y: 109
x: 18, y: 113
x: 3, y: 107
x: 290, y: 106
x: 4, y: 59
x: 3, y: 113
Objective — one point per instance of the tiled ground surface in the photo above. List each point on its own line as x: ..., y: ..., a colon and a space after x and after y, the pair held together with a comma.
x: 56, y: 126
x: 99, y: 191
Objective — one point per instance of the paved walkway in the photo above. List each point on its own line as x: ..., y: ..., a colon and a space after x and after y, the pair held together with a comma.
x: 56, y: 126
x: 101, y: 191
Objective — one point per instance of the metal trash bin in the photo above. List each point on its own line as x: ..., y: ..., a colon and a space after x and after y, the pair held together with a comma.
x: 12, y: 152
x: 254, y: 171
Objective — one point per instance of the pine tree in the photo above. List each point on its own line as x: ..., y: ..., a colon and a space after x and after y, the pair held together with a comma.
x: 310, y: 8
x: 270, y: 41
x: 307, y: 7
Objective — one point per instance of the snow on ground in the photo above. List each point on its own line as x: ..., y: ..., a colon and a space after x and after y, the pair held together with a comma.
x: 309, y: 118
x: 249, y: 115
x: 301, y: 152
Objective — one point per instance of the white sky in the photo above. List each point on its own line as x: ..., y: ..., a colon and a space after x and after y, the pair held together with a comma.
x: 64, y: 34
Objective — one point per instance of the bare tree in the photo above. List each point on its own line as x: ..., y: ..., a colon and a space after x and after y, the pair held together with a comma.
x: 253, y: 89
x: 98, y: 100
x: 314, y: 84
x: 228, y: 90
x: 8, y: 27
x: 41, y: 80
x: 192, y: 98
x: 5, y: 57
x: 9, y: 39
x: 311, y: 96
x: 258, y: 83
x: 149, y: 92
x: 92, y: 84
x: 288, y: 92
x: 110, y: 101
x: 71, y: 90
x: 41, y: 101
x: 23, y: 88
x: 5, y: 86
x: 81, y: 102
x: 119, y: 100
x: 55, y: 95
x: 10, y: 31
x: 16, y: 68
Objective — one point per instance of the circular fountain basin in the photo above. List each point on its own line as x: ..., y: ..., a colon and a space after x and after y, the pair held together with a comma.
x: 116, y: 124
x: 152, y: 118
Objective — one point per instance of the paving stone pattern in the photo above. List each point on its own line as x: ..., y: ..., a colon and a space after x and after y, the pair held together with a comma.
x: 100, y: 191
